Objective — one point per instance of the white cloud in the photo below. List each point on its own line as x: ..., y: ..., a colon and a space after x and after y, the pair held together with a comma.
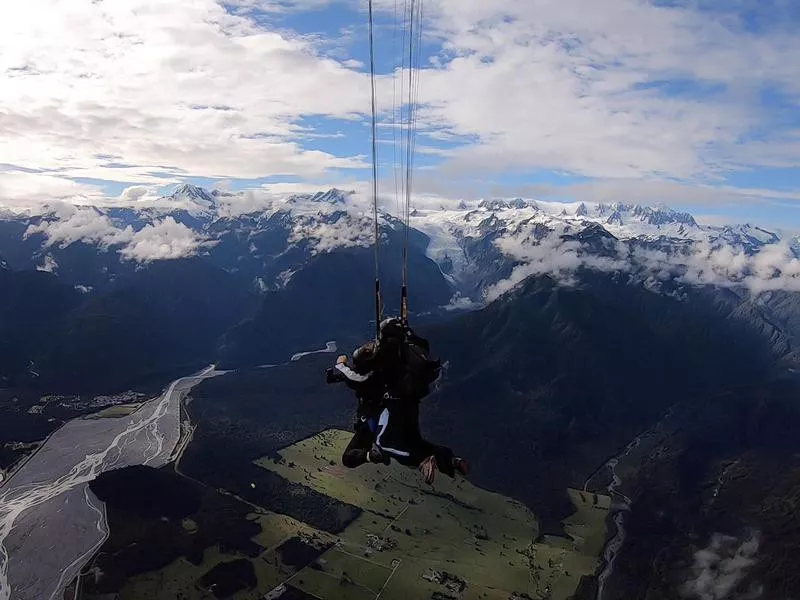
x: 719, y: 569
x: 73, y: 224
x: 233, y: 205
x: 552, y: 255
x: 164, y: 240
x: 579, y: 86
x: 21, y: 190
x: 348, y: 231
x: 153, y: 91
x: 459, y: 302
x: 773, y: 267
x: 123, y: 91
x: 137, y: 193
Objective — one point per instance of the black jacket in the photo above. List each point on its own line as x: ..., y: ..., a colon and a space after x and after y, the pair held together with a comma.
x: 392, y: 370
x: 366, y: 377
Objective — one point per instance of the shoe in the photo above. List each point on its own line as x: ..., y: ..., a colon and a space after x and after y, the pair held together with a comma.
x: 428, y: 469
x: 376, y: 455
x: 461, y: 465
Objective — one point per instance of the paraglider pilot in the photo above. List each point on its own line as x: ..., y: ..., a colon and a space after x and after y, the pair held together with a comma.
x: 390, y: 377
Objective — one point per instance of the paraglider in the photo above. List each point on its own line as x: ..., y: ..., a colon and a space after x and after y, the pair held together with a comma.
x: 391, y: 374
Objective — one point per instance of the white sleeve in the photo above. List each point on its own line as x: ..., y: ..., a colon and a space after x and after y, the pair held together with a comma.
x: 350, y: 374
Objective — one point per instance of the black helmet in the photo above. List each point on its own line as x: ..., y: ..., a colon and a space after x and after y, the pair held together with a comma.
x: 392, y: 328
x: 364, y: 353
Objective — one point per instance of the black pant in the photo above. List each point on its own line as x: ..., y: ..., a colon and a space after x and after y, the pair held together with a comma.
x: 355, y: 454
x: 403, y: 440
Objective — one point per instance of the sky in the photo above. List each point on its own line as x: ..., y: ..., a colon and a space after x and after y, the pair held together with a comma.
x: 691, y: 103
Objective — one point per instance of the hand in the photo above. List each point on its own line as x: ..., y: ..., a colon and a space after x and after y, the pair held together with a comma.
x: 341, y: 360
x: 331, y: 376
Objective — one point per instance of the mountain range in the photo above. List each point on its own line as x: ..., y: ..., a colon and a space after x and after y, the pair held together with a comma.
x: 569, y: 333
x: 250, y: 280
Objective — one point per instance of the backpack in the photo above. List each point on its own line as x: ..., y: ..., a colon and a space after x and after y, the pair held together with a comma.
x: 419, y: 371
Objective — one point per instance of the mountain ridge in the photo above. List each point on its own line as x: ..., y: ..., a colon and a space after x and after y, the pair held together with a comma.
x: 273, y: 259
x: 579, y: 335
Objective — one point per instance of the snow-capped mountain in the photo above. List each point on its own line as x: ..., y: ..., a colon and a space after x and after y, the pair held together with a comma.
x: 191, y: 194
x: 746, y: 236
x: 267, y: 239
x: 635, y: 220
x: 624, y: 214
x: 301, y: 266
x: 482, y: 246
x: 332, y: 196
x: 149, y: 292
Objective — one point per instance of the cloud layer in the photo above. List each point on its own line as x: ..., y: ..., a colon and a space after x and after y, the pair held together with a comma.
x: 536, y: 239
x: 71, y: 224
x: 164, y: 239
x: 552, y: 255
x: 636, y: 93
x: 719, y: 569
x: 772, y: 267
x: 615, y: 89
x: 153, y: 89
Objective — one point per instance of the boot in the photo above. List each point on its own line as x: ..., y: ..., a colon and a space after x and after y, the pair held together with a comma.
x: 428, y: 469
x: 376, y: 455
x: 461, y: 465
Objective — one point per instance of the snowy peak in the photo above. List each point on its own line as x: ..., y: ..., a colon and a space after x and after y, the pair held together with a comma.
x: 745, y: 236
x: 625, y: 214
x: 663, y: 215
x: 188, y: 191
x: 476, y: 248
x: 498, y: 204
x: 493, y: 204
x: 332, y: 196
x: 520, y: 203
x: 193, y: 195
x: 7, y: 214
x: 615, y: 218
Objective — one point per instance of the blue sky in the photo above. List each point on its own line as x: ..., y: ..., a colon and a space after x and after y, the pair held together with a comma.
x: 692, y: 103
